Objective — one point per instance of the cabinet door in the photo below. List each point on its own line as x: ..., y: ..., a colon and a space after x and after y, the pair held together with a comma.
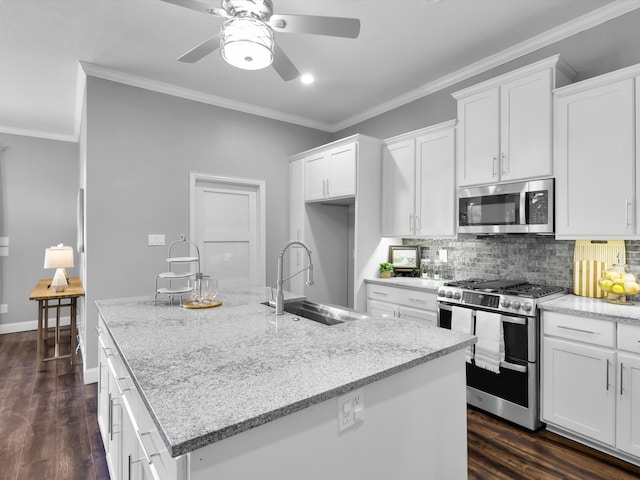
x: 103, y: 393
x: 578, y: 388
x: 422, y: 316
x: 381, y: 309
x: 296, y: 255
x: 435, y: 184
x: 478, y: 138
x: 343, y: 168
x: 525, y: 127
x: 595, y: 163
x: 113, y: 447
x: 398, y: 189
x: 628, y: 414
x: 316, y: 175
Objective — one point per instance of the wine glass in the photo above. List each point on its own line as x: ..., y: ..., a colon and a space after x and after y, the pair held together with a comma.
x: 213, y: 290
x: 196, y: 295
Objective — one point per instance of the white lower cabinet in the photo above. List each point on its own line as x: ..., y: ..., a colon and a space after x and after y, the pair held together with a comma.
x: 398, y: 302
x: 628, y: 390
x: 132, y: 443
x: 591, y: 381
x: 578, y: 392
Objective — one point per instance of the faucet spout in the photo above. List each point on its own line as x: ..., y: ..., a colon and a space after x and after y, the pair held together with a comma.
x: 280, y: 280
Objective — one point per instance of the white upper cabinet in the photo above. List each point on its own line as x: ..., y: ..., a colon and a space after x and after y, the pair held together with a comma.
x: 505, y: 125
x: 595, y: 158
x: 418, y: 193
x: 331, y: 174
x: 398, y: 188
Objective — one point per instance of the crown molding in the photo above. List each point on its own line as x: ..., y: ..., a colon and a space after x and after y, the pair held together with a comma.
x: 580, y: 24
x: 38, y: 134
x: 169, y: 89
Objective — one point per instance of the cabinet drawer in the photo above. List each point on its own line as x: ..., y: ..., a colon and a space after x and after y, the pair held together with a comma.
x: 582, y: 329
x: 402, y: 296
x: 384, y: 293
x: 629, y: 337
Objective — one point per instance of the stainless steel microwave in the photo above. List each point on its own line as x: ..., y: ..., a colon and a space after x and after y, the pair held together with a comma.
x: 522, y: 207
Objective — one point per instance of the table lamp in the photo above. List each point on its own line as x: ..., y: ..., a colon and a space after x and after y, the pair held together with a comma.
x: 60, y: 258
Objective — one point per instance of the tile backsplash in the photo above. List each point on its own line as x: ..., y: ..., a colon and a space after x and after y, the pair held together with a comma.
x: 537, y: 259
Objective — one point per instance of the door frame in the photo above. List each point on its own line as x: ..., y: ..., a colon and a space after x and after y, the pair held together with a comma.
x: 196, y: 179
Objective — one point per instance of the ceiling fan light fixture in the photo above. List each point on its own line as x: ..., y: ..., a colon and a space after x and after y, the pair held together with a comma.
x: 247, y: 42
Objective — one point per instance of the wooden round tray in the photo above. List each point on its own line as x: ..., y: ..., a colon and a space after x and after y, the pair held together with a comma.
x: 193, y: 306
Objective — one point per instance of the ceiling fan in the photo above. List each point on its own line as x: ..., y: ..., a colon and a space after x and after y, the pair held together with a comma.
x: 246, y: 38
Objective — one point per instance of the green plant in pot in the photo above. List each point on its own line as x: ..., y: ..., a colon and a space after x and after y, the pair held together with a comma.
x: 386, y: 269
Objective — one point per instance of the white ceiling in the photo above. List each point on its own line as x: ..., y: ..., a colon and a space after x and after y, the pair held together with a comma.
x: 406, y: 49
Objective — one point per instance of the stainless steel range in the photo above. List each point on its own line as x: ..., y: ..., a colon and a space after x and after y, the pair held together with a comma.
x: 513, y: 391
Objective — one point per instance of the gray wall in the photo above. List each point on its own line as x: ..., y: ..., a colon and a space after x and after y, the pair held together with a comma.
x: 141, y: 146
x: 38, y: 191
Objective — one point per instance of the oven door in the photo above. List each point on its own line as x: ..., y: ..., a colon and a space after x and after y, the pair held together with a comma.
x: 514, y: 382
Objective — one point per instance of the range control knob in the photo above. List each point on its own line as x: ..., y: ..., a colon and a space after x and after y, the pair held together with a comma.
x: 449, y: 294
x: 515, y: 304
x: 457, y: 296
x: 441, y: 293
x: 505, y: 303
x: 527, y: 307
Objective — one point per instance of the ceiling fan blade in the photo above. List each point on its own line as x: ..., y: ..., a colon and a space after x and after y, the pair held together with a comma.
x: 283, y: 65
x: 202, y: 50
x: 200, y: 6
x: 317, y: 25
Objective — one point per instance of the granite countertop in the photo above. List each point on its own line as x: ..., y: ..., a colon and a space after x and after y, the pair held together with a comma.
x: 212, y: 373
x: 409, y: 283
x: 594, y: 307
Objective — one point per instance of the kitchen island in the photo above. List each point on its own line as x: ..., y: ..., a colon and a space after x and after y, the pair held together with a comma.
x: 237, y: 392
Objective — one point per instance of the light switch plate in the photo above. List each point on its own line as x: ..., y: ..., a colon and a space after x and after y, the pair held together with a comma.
x: 4, y: 308
x: 156, y: 239
x: 4, y: 241
x: 4, y: 251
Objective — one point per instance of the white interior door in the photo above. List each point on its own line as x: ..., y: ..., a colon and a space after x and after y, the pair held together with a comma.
x: 227, y: 225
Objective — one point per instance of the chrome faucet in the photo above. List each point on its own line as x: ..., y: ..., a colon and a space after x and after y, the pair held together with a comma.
x: 280, y: 280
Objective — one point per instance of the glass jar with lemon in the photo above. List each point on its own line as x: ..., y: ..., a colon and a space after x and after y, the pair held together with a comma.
x: 619, y: 283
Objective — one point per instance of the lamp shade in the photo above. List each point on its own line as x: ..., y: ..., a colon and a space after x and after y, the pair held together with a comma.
x: 247, y: 43
x: 58, y: 257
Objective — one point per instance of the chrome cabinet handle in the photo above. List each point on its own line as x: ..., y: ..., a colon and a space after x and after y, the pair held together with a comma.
x: 495, y: 158
x: 627, y: 204
x: 380, y: 293
x: 410, y: 223
x: 328, y: 194
x: 577, y: 330
x: 607, y: 374
x: 418, y: 224
x: 621, y: 376
x: 418, y: 300
x: 504, y: 163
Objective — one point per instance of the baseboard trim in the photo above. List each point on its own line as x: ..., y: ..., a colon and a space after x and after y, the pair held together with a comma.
x: 90, y: 375
x: 31, y: 325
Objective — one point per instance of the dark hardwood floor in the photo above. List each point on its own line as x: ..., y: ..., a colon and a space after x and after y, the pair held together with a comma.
x: 48, y: 426
x: 49, y: 430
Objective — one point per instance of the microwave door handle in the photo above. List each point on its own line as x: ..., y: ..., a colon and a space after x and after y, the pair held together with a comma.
x: 523, y: 209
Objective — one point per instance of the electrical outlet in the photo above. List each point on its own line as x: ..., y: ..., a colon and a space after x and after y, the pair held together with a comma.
x: 350, y: 409
x: 442, y: 255
x: 4, y: 308
x: 156, y: 239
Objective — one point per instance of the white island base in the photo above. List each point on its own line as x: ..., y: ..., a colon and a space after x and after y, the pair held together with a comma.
x: 414, y: 427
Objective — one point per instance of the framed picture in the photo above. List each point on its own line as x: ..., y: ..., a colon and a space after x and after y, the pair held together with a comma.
x: 80, y: 221
x: 404, y: 257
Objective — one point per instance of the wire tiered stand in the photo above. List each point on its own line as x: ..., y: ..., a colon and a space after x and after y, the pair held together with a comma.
x: 175, y: 282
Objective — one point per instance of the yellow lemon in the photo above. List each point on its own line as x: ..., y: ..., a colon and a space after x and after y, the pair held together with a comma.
x: 612, y: 275
x: 631, y: 288
x: 606, y: 284
x: 617, y: 288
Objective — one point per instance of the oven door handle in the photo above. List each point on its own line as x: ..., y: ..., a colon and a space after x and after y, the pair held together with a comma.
x: 514, y: 367
x: 516, y: 320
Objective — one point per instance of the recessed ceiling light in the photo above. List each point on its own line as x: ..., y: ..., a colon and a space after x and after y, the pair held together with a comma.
x: 307, y: 78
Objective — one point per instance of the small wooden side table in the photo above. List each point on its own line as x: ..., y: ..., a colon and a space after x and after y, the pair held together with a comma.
x: 47, y: 299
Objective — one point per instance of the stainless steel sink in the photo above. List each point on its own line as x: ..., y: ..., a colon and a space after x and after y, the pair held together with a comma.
x: 325, y: 314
